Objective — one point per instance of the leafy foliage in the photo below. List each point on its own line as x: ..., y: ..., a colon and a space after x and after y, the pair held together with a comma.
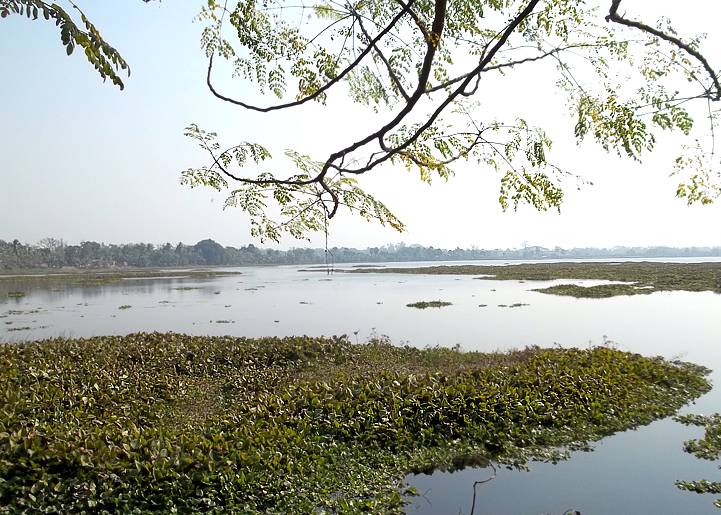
x: 167, y: 422
x: 299, y: 199
x: 622, y: 79
x: 106, y: 60
x: 419, y: 64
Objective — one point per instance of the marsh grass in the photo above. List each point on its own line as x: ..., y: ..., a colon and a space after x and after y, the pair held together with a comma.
x: 600, y: 291
x: 642, y: 277
x: 103, y: 277
x: 170, y: 422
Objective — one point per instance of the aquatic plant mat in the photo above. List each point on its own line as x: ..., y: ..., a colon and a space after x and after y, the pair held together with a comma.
x: 640, y: 278
x: 706, y: 448
x: 92, y: 277
x: 425, y: 304
x: 162, y: 422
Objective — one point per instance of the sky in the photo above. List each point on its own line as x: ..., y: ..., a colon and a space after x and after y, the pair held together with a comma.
x: 81, y: 160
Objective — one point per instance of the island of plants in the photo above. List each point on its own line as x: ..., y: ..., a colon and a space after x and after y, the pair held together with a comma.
x: 706, y: 448
x: 425, y: 304
x: 632, y: 278
x: 162, y: 423
x: 95, y: 277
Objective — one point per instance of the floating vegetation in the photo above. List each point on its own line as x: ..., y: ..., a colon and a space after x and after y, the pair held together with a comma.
x: 16, y: 294
x: 600, y: 291
x: 125, y: 306
x: 216, y: 293
x: 429, y: 304
x: 644, y: 277
x: 706, y: 448
x: 518, y: 305
x: 305, y: 302
x: 224, y: 321
x: 251, y: 289
x: 503, y: 305
x: 482, y: 305
x: 164, y: 302
x: 187, y: 288
x: 111, y: 276
x: 174, y: 423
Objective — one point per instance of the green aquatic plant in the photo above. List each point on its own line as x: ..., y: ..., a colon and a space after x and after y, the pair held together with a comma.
x: 707, y: 448
x: 16, y: 294
x: 429, y: 304
x: 641, y: 277
x: 125, y: 306
x: 595, y: 292
x: 175, y: 423
x: 110, y: 276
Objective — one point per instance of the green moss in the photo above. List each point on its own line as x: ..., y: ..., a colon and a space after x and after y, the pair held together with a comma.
x: 161, y: 422
x: 429, y: 304
x: 645, y: 277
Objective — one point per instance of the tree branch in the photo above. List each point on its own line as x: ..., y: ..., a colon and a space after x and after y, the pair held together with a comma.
x: 391, y: 72
x: 616, y: 18
x: 320, y: 91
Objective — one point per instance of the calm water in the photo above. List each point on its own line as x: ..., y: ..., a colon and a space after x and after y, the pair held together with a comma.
x: 629, y: 473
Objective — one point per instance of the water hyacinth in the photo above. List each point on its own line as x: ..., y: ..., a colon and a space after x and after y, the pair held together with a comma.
x: 706, y: 448
x: 169, y: 422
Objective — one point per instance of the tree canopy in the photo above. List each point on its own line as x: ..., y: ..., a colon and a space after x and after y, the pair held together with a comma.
x: 424, y: 66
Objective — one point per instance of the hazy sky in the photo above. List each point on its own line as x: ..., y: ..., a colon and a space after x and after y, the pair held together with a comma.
x: 81, y: 160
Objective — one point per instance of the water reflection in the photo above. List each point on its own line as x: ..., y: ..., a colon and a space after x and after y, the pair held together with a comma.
x: 633, y: 472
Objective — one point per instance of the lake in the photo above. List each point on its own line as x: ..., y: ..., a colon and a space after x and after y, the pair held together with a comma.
x: 631, y: 472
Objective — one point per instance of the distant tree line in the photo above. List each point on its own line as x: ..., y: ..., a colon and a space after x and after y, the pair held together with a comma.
x: 55, y: 253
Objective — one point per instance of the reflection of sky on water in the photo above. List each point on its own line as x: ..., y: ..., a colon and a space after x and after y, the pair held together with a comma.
x: 633, y: 472
x: 629, y: 473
